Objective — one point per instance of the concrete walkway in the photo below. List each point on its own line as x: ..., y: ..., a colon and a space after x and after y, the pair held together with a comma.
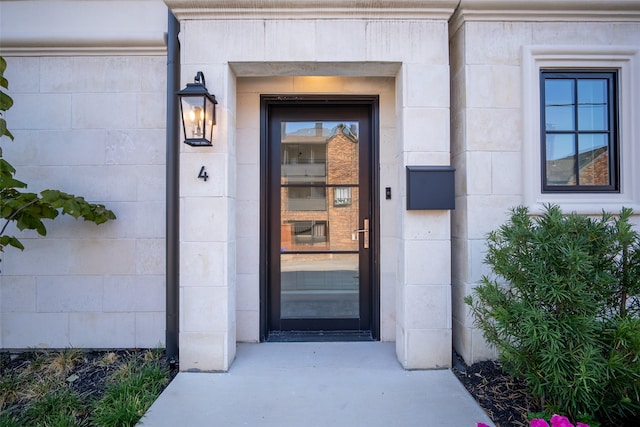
x: 327, y: 384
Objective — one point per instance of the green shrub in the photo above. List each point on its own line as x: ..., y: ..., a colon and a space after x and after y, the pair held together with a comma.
x: 562, y: 308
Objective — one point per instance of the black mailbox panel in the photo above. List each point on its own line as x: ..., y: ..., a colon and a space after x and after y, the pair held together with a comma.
x: 430, y: 187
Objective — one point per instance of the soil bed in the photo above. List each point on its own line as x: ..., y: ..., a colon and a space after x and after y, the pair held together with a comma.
x: 502, y: 397
x: 86, y: 376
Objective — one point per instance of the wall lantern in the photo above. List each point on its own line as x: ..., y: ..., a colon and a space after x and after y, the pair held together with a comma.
x: 198, y: 109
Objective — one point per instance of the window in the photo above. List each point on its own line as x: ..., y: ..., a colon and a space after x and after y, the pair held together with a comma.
x: 304, y: 171
x: 624, y: 61
x: 341, y: 196
x: 309, y: 232
x: 579, y: 142
x: 307, y: 198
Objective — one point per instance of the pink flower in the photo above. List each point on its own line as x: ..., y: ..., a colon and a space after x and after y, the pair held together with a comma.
x: 538, y: 422
x: 560, y: 421
x: 582, y: 425
x: 482, y: 425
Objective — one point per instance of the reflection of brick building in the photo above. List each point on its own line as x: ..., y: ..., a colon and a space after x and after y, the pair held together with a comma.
x: 593, y: 168
x: 319, y: 209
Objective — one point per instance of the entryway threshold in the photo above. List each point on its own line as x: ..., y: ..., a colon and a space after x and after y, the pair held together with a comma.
x: 316, y: 384
x: 320, y: 336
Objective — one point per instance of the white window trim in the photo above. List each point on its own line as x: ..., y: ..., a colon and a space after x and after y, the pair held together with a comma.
x: 626, y: 59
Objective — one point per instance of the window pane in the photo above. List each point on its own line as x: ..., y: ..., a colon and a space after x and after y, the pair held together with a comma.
x: 305, y: 198
x: 592, y: 104
x: 319, y: 286
x: 559, y: 104
x: 594, y: 159
x: 309, y: 232
x: 303, y: 163
x: 341, y: 196
x: 561, y: 159
x: 342, y: 149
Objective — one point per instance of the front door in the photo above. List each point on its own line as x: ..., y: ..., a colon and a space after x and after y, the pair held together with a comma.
x: 319, y: 218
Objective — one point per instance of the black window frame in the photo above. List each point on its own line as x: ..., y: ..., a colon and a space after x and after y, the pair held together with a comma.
x: 311, y: 238
x: 612, y: 77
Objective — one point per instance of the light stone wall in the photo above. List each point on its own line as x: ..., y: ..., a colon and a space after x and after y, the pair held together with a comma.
x: 219, y: 260
x: 494, y: 122
x: 89, y: 85
x: 93, y: 126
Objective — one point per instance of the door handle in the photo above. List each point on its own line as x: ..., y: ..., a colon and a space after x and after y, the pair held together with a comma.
x: 365, y: 232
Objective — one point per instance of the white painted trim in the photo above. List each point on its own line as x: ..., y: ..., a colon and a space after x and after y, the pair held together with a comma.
x: 545, y: 11
x: 627, y: 60
x: 311, y: 9
x: 82, y: 44
x: 73, y: 27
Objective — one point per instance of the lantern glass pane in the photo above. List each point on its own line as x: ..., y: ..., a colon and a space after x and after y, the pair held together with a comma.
x: 193, y: 117
x: 209, y: 119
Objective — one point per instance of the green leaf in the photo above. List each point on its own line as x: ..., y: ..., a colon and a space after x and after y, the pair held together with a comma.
x: 11, y: 183
x: 3, y: 65
x: 4, y: 131
x: 6, y: 212
x: 10, y: 241
x: 51, y: 196
x: 5, y: 101
x: 4, y: 82
x: 6, y: 169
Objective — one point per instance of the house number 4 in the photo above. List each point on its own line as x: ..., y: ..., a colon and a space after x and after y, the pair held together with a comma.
x: 203, y: 174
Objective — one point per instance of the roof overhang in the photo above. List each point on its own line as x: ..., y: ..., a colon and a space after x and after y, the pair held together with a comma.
x: 545, y: 11
x: 312, y: 9
x: 74, y: 27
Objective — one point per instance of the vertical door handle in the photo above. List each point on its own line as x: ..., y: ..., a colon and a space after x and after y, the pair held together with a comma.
x: 365, y: 232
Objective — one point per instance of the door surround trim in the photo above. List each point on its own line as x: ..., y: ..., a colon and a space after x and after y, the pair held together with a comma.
x: 266, y: 101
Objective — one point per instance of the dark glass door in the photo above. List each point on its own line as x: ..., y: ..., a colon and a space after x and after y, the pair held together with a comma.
x: 319, y: 234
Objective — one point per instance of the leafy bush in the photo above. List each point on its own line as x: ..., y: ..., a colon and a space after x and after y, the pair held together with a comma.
x: 563, y: 309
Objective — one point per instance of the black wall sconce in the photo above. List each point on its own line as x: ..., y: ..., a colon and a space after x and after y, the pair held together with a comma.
x: 198, y: 110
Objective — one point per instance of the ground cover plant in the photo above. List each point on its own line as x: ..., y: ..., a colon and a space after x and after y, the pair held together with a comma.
x: 75, y: 388
x: 562, y: 307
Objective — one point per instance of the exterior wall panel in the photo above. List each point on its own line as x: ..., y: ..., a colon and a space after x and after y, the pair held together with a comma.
x: 88, y: 119
x: 490, y: 128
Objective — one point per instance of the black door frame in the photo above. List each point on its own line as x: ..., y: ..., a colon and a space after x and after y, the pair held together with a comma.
x: 267, y: 103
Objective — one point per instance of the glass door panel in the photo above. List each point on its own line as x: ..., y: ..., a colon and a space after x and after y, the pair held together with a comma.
x: 319, y: 220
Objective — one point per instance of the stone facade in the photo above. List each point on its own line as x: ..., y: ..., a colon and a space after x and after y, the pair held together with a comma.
x: 458, y: 85
x: 495, y: 123
x: 99, y: 132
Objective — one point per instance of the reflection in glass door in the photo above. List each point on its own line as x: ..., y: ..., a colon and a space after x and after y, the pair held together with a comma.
x: 319, y: 215
x: 318, y: 205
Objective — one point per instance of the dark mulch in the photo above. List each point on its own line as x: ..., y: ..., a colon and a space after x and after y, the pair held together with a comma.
x: 88, y: 378
x: 503, y: 398
x: 506, y: 399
